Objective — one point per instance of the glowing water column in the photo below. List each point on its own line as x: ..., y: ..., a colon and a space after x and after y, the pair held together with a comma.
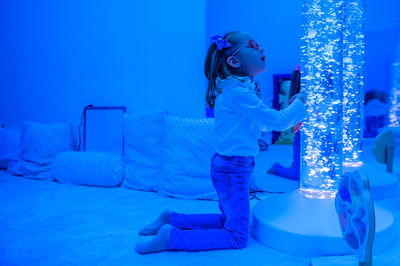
x: 394, y: 113
x: 321, y: 133
x: 353, y: 81
x: 316, y: 231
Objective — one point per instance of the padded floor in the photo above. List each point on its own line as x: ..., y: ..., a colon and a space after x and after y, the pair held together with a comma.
x: 48, y: 223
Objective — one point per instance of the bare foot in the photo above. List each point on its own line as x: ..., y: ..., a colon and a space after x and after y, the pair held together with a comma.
x: 158, y: 243
x: 152, y: 229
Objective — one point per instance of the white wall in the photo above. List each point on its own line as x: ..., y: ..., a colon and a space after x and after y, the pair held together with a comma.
x: 382, y: 26
x: 276, y: 25
x: 58, y: 56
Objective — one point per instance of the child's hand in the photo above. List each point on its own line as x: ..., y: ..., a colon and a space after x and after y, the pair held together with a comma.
x: 298, y: 96
x: 298, y: 126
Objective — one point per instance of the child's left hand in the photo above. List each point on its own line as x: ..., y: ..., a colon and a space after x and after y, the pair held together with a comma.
x: 297, y: 96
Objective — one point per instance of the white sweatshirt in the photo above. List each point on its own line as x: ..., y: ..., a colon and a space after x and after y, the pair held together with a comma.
x: 240, y: 113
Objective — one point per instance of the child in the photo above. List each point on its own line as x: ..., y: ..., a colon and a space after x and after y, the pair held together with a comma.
x: 292, y: 172
x: 231, y: 64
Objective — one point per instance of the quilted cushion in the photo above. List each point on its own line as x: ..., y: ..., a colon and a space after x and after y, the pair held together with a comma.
x: 384, y: 140
x: 88, y: 168
x: 142, y: 139
x: 40, y: 143
x: 188, y: 146
x: 10, y: 146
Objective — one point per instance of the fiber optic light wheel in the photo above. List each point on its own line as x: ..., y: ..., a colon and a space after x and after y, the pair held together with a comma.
x: 355, y: 211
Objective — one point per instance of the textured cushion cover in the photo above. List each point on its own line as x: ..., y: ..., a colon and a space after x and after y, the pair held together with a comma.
x: 188, y: 146
x: 40, y: 143
x: 142, y: 137
x: 384, y: 140
x: 88, y: 168
x: 10, y: 147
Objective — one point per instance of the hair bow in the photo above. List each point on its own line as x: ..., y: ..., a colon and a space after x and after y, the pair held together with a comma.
x: 220, y: 42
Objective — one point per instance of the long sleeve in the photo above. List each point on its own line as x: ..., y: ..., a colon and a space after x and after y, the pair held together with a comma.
x: 247, y: 103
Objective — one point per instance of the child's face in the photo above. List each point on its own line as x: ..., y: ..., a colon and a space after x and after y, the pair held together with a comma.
x: 250, y: 57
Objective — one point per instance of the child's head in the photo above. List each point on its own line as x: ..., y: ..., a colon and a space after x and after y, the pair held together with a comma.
x: 236, y: 53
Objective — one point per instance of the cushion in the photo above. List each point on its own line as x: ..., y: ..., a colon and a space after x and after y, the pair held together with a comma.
x: 88, y: 168
x: 188, y: 146
x: 10, y: 146
x: 40, y: 143
x: 142, y: 145
x: 382, y: 142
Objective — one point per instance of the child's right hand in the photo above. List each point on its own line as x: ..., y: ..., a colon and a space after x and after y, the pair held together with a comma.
x: 298, y: 96
x: 298, y: 126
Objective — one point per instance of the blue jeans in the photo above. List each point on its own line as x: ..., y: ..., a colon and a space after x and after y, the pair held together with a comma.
x: 292, y: 172
x: 230, y: 228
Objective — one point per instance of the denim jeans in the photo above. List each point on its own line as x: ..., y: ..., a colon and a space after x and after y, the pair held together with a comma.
x: 230, y: 228
x: 292, y: 172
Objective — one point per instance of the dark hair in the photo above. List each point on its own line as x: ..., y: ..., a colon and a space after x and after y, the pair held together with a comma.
x: 215, y: 65
x: 382, y: 96
x: 295, y: 83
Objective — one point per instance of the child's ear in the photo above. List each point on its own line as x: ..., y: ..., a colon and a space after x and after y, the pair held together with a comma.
x: 233, y: 62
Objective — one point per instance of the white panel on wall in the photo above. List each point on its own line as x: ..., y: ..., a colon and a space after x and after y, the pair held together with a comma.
x: 103, y: 130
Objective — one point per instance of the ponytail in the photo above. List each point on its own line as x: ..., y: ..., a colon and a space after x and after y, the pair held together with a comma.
x: 215, y: 65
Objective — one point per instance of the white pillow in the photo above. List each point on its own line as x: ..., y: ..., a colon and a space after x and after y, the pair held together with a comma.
x: 142, y: 146
x: 40, y: 143
x: 10, y: 146
x: 188, y: 147
x: 88, y: 168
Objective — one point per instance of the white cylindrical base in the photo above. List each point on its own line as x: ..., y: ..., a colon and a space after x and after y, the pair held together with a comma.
x: 301, y: 226
x: 383, y: 185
